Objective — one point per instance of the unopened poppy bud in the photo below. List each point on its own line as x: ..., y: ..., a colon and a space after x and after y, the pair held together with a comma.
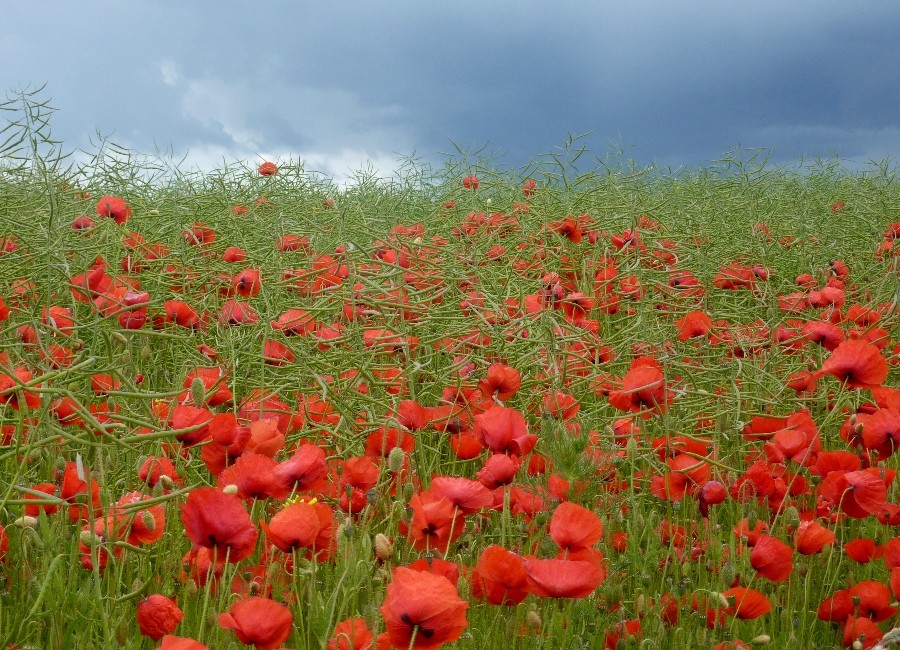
x: 371, y: 496
x: 791, y: 516
x: 857, y: 645
x: 119, y: 338
x: 148, y: 521
x: 146, y: 353
x: 729, y: 573
x: 720, y: 598
x: 762, y: 639
x: 384, y: 548
x: 231, y: 488
x: 198, y: 392
x: 395, y: 459
x: 533, y: 620
x: 88, y: 538
x: 153, y: 213
x: 631, y: 448
x: 640, y: 603
x: 166, y: 482
x: 254, y: 588
x: 26, y: 522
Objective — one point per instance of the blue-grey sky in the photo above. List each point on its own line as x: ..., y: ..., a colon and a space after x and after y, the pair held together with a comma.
x: 341, y: 83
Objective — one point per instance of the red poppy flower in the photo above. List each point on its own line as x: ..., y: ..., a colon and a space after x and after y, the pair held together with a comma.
x: 11, y: 392
x: 219, y: 522
x: 467, y: 495
x: 303, y: 468
x: 170, y: 642
x: 693, y: 325
x: 500, y: 577
x: 259, y: 622
x: 470, y: 182
x: 115, y: 208
x: 498, y: 470
x: 247, y: 283
x: 298, y: 526
x: 573, y: 527
x: 643, y: 388
x: 746, y: 603
x: 351, y: 634
x: 858, y: 494
x: 811, y: 537
x: 861, y: 632
x: 504, y: 430
x: 267, y: 169
x: 500, y: 380
x: 422, y: 609
x: 868, y: 598
x: 772, y: 558
x: 255, y: 478
x: 157, y: 616
x: 435, y: 524
x: 862, y: 550
x: 235, y: 312
x: 857, y: 363
x: 569, y: 578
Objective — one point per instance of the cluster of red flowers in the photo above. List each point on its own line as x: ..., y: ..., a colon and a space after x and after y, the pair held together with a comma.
x: 280, y: 470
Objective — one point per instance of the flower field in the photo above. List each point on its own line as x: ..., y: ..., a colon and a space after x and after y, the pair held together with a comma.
x: 464, y: 408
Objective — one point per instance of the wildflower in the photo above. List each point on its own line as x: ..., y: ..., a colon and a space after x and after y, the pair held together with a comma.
x: 470, y: 182
x: 219, y: 522
x: 573, y: 527
x: 422, y: 610
x: 857, y: 363
x: 171, y: 642
x: 267, y: 169
x: 114, y: 207
x: 565, y: 578
x: 260, y: 622
x: 351, y: 634
x: 772, y: 558
x: 157, y: 616
x: 499, y: 577
x: 746, y: 603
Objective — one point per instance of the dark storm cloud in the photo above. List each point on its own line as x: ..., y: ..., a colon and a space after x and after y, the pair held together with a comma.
x: 675, y: 83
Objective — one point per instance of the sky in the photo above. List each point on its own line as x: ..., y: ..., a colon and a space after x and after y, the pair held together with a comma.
x: 358, y: 85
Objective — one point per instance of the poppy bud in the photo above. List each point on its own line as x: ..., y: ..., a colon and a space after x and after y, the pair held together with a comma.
x: 729, y: 573
x: 720, y: 597
x: 166, y: 482
x: 148, y: 521
x: 533, y: 620
x: 395, y: 459
x: 762, y: 639
x: 88, y: 538
x: 119, y: 338
x: 384, y: 548
x: 198, y: 392
x: 26, y: 522
x: 231, y: 488
x: 146, y: 353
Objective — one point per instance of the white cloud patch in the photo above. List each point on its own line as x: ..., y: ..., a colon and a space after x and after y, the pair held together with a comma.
x: 332, y: 130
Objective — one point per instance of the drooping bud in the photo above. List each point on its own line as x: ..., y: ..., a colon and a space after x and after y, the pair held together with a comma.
x: 384, y: 547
